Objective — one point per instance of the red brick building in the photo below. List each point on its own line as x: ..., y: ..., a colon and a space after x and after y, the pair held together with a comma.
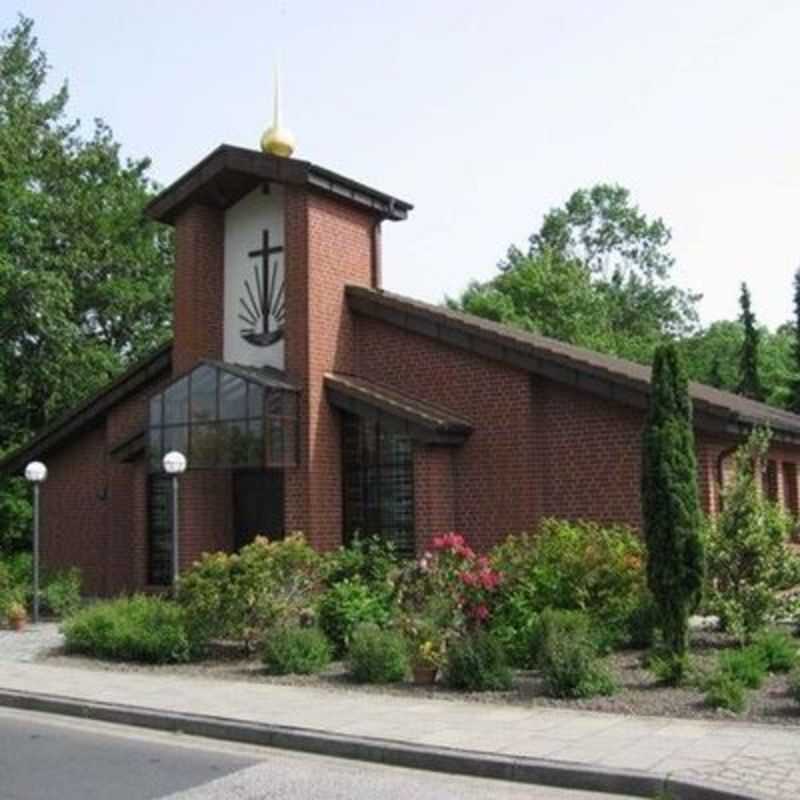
x: 307, y: 399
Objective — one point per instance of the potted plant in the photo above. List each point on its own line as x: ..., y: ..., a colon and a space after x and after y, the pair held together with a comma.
x: 17, y: 616
x: 427, y: 641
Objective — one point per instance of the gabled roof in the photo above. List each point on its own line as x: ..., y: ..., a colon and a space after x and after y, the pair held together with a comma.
x: 615, y: 378
x: 419, y: 419
x: 86, y: 414
x: 228, y: 173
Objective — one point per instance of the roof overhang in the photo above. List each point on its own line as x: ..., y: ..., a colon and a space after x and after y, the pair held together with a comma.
x: 398, y: 412
x: 228, y: 173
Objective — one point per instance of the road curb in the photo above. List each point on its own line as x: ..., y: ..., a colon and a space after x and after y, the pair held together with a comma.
x: 562, y: 774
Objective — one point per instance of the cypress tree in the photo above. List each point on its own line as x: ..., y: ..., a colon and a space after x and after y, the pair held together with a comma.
x: 749, y: 378
x: 670, y: 506
x: 794, y: 399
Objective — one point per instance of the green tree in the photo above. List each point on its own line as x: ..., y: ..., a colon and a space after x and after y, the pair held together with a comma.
x: 749, y: 378
x: 793, y: 402
x: 85, y: 278
x: 670, y: 507
x: 596, y: 273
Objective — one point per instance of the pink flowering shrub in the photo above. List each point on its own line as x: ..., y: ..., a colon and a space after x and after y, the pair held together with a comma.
x: 449, y: 590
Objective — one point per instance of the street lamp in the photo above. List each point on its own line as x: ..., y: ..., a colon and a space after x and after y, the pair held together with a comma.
x: 36, y: 474
x: 174, y: 465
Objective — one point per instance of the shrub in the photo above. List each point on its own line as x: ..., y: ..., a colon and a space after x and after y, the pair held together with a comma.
x: 377, y: 656
x: 669, y: 668
x: 747, y: 557
x: 369, y: 560
x: 138, y: 628
x: 62, y: 593
x: 514, y: 625
x: 292, y: 649
x: 347, y: 605
x: 642, y: 623
x: 477, y: 663
x: 567, y: 654
x: 240, y: 596
x: 578, y: 566
x: 794, y: 684
x: 723, y: 690
x: 779, y: 651
x: 747, y: 666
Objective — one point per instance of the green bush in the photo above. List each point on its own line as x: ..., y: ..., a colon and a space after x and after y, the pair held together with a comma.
x: 242, y: 595
x: 580, y: 566
x: 377, y: 656
x: 567, y: 654
x: 794, y: 684
x: 723, y: 690
x: 477, y: 663
x: 514, y: 623
x: 779, y: 651
x: 747, y: 666
x: 369, y: 560
x: 642, y: 623
x: 748, y: 562
x: 669, y: 668
x: 349, y: 604
x: 62, y: 593
x: 295, y: 650
x: 138, y: 628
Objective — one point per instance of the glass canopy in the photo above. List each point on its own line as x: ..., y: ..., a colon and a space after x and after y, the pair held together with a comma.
x: 223, y: 416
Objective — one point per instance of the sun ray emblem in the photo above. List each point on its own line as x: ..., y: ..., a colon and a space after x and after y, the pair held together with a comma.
x: 262, y: 308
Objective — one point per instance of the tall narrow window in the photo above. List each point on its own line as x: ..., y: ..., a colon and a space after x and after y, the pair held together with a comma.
x: 378, y: 483
x: 159, y: 530
x: 771, y: 481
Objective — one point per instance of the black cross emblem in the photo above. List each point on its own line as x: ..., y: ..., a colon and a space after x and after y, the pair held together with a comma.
x: 266, y: 302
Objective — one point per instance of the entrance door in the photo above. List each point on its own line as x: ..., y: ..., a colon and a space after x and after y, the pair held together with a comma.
x: 257, y: 504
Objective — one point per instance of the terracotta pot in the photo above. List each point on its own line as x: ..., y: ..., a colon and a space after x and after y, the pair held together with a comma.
x: 424, y: 674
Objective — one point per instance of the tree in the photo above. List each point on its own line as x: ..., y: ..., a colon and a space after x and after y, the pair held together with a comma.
x: 749, y: 379
x: 670, y: 506
x: 596, y: 273
x: 794, y: 392
x: 85, y: 279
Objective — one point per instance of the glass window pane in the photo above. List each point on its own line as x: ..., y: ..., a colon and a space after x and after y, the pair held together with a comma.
x: 255, y: 443
x: 204, y: 394
x: 232, y: 397
x: 176, y: 439
x: 206, y: 445
x: 176, y: 402
x: 255, y: 401
x: 274, y: 407
x: 155, y: 409
x: 234, y: 444
x: 155, y: 453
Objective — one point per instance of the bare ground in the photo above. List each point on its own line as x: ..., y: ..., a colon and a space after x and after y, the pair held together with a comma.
x: 639, y: 691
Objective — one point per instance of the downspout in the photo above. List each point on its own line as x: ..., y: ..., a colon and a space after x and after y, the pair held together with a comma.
x: 377, y: 277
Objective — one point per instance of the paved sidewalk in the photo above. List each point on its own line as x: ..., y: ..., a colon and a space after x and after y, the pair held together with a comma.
x: 30, y: 644
x: 759, y: 758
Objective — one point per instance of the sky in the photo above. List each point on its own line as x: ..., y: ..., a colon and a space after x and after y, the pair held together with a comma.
x: 484, y: 115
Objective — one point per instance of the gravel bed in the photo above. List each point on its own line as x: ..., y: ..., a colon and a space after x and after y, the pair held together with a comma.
x: 639, y: 692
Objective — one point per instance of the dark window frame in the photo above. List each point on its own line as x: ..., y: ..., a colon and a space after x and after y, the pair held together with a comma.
x: 377, y: 483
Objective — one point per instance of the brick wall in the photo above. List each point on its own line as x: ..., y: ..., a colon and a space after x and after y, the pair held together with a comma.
x: 199, y: 286
x: 329, y: 245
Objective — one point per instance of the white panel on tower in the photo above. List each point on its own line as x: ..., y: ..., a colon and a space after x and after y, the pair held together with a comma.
x: 254, y: 280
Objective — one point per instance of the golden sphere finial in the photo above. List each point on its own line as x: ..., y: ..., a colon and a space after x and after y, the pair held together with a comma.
x: 277, y: 141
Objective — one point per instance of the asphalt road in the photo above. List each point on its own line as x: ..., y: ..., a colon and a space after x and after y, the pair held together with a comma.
x: 45, y: 757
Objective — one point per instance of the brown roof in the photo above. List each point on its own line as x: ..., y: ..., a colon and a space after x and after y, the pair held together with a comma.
x: 85, y: 414
x: 428, y: 421
x: 618, y: 378
x: 228, y: 173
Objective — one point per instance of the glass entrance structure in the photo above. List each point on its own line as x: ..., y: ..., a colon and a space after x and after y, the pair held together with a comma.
x: 221, y: 416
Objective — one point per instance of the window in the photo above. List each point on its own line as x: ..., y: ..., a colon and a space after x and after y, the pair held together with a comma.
x: 220, y: 419
x: 790, y: 499
x: 378, y: 478
x: 159, y: 530
x: 771, y: 481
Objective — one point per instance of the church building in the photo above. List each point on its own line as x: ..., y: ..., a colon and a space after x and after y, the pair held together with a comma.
x: 307, y: 398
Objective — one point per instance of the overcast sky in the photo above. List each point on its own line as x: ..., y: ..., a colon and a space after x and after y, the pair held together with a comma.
x: 482, y: 114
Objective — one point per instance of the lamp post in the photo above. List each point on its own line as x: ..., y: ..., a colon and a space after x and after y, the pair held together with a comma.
x: 174, y: 465
x: 36, y: 474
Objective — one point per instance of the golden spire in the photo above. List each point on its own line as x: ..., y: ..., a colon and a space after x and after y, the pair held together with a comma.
x: 277, y: 141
